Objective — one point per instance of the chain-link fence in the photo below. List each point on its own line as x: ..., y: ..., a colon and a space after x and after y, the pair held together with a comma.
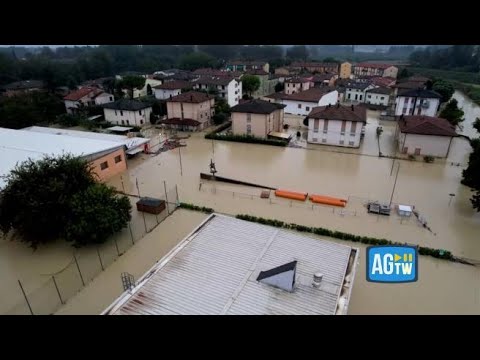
x: 45, y: 295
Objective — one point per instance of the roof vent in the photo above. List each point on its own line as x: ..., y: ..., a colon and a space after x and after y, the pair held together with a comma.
x: 282, y: 277
x: 317, y: 279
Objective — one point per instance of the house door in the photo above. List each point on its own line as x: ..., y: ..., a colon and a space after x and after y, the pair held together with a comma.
x: 417, y: 151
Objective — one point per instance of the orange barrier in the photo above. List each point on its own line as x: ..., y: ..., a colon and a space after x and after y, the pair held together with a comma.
x: 327, y: 201
x: 327, y: 198
x: 291, y: 194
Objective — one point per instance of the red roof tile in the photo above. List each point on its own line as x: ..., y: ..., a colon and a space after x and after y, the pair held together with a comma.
x: 191, y: 97
x: 173, y: 85
x: 78, y: 94
x: 426, y: 125
x: 339, y: 112
x: 373, y: 65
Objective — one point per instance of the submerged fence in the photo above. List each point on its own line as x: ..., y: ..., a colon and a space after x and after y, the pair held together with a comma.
x: 47, y: 294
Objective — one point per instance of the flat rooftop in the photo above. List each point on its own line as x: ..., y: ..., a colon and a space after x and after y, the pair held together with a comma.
x: 17, y: 146
x: 214, y: 270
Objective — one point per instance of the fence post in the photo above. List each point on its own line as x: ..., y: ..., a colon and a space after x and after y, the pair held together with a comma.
x: 166, y: 198
x: 58, y: 291
x: 78, y: 267
x: 100, y: 258
x: 25, y: 295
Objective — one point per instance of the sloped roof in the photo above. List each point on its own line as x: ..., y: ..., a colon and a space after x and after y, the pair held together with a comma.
x: 127, y: 104
x: 339, y: 112
x: 209, y: 80
x: 191, y: 97
x: 173, y: 85
x: 310, y: 95
x: 426, y: 125
x: 421, y: 93
x: 257, y: 106
x: 380, y: 90
x: 374, y: 65
x: 84, y: 91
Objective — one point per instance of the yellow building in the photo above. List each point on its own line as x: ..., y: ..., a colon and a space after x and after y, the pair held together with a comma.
x: 345, y: 70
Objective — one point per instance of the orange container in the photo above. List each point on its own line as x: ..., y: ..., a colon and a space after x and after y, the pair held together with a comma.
x: 323, y: 200
x: 327, y: 197
x: 291, y: 194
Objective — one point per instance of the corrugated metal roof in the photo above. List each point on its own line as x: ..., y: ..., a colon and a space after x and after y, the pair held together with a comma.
x: 214, y: 271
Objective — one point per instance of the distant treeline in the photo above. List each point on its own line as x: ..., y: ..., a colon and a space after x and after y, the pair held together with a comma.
x: 456, y: 58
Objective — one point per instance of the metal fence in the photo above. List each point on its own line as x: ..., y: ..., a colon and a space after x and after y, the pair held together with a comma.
x: 45, y: 295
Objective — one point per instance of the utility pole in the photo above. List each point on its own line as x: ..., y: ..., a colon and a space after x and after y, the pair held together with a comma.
x: 394, y: 184
x: 180, y: 154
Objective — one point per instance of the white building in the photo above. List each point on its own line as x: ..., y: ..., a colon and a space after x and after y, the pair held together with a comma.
x: 417, y: 102
x: 356, y: 91
x: 127, y: 112
x: 336, y: 125
x: 425, y: 136
x: 378, y: 96
x: 296, y: 85
x: 170, y: 89
x: 228, y: 266
x: 303, y: 102
x: 228, y: 88
x: 86, y: 96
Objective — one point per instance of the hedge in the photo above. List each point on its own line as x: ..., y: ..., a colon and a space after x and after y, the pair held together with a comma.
x: 436, y: 253
x: 245, y: 139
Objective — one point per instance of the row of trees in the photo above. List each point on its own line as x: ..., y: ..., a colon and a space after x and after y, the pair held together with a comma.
x: 471, y: 175
x: 456, y: 58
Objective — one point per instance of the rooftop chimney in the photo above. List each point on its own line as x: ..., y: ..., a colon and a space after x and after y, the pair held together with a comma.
x: 317, y: 279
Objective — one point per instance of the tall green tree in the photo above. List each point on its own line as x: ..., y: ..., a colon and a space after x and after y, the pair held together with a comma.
x: 58, y: 197
x: 250, y: 84
x: 132, y: 82
x: 444, y: 88
x: 452, y: 113
x: 196, y: 60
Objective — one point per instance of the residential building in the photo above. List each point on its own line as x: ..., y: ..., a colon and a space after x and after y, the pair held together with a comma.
x: 228, y: 266
x: 192, y: 110
x: 425, y: 135
x: 243, y: 65
x: 336, y: 125
x: 355, y: 91
x: 170, y: 89
x: 297, y: 84
x: 228, y: 88
x: 378, y: 96
x: 284, y: 70
x: 318, y: 67
x: 107, y: 158
x: 303, y: 102
x: 383, y: 81
x: 127, y: 112
x: 417, y: 102
x: 345, y: 70
x: 86, y: 96
x: 22, y: 87
x: 267, y: 82
x: 205, y: 72
x: 374, y: 69
x: 320, y: 80
x: 98, y: 83
x: 182, y: 75
x: 257, y: 117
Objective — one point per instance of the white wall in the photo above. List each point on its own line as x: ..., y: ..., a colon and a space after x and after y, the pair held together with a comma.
x: 104, y: 99
x: 305, y: 106
x: 234, y: 92
x: 162, y: 94
x: 431, y: 110
x: 330, y: 98
x: 334, y: 134
x: 376, y: 99
x: 133, y: 118
x: 69, y: 105
x: 428, y: 144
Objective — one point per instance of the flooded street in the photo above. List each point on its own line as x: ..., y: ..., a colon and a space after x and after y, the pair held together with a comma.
x: 356, y: 174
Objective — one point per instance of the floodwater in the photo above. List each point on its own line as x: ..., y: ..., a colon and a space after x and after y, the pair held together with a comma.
x: 357, y: 174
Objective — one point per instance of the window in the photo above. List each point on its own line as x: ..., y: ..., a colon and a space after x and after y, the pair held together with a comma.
x: 342, y: 142
x: 139, y: 112
x: 123, y: 122
x: 342, y: 130
x: 223, y: 87
x: 201, y: 116
x: 111, y: 99
x: 382, y: 97
x: 324, y: 140
x: 223, y: 95
x: 314, y: 139
x: 353, y: 129
x: 350, y: 143
x: 249, y: 117
x: 307, y: 108
x: 369, y: 96
x: 325, y: 126
x: 299, y: 106
x: 118, y: 159
x: 121, y: 113
x: 141, y: 122
x: 249, y: 129
x: 348, y: 96
x: 315, y: 125
x: 115, y: 112
x: 128, y: 122
x: 104, y: 165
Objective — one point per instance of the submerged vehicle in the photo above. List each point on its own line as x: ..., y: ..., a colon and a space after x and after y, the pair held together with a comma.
x: 377, y: 208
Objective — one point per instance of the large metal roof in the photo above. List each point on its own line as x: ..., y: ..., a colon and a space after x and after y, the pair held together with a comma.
x: 214, y: 270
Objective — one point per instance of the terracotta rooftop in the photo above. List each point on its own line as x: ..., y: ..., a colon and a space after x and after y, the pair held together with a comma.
x: 173, y: 85
x: 339, y: 112
x: 310, y: 95
x: 191, y: 97
x: 209, y: 80
x: 426, y: 125
x: 78, y: 94
x: 373, y: 65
